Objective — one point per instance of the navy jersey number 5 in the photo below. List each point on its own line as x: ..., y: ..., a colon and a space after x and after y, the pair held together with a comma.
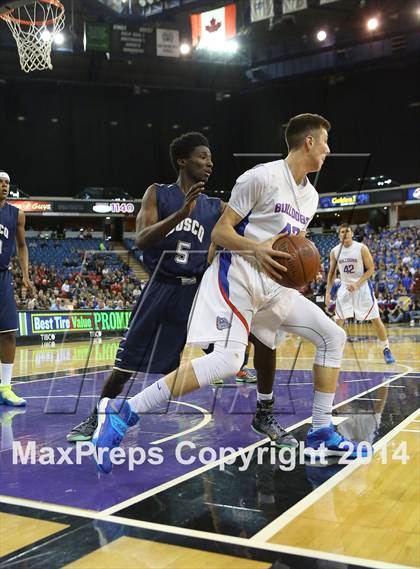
x: 183, y: 251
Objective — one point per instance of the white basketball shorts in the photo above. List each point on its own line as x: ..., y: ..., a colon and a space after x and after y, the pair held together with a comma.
x: 360, y: 304
x: 234, y: 300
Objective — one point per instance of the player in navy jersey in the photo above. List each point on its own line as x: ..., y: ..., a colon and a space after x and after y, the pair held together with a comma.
x: 12, y: 229
x: 173, y: 229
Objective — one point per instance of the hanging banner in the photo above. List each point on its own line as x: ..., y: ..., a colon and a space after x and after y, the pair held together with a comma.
x: 167, y: 43
x: 130, y: 39
x: 261, y: 10
x: 294, y: 5
x: 213, y: 27
x: 97, y: 37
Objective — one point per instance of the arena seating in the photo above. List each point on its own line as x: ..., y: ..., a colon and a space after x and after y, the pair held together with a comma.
x: 324, y: 244
x: 105, y: 277
x: 134, y: 250
x: 94, y: 277
x: 61, y: 253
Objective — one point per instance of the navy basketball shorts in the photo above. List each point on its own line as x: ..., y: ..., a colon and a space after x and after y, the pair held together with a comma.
x: 157, y: 329
x: 8, y: 312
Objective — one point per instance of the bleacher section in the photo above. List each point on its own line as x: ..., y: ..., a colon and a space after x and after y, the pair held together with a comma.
x: 324, y: 244
x: 134, y: 250
x: 66, y: 254
x: 77, y: 274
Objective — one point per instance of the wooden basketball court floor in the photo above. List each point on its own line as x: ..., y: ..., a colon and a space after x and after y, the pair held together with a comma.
x: 215, y: 512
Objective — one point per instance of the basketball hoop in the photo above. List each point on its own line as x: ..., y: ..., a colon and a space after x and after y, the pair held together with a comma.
x: 34, y: 26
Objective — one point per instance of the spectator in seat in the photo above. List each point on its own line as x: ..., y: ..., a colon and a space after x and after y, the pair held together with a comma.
x: 395, y: 315
x: 383, y: 312
x: 65, y: 287
x: 407, y: 257
x: 414, y: 312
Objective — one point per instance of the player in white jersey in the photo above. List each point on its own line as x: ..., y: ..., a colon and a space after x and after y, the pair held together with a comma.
x: 239, y: 295
x: 355, y: 296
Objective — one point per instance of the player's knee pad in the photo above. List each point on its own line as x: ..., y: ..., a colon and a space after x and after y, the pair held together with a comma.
x: 329, y: 351
x: 223, y: 362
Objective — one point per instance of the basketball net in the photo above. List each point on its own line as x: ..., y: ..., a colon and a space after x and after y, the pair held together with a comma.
x: 34, y: 27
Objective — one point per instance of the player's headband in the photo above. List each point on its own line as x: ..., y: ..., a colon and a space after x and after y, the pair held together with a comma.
x: 4, y: 176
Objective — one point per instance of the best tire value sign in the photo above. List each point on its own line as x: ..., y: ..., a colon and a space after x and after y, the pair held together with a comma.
x: 33, y: 323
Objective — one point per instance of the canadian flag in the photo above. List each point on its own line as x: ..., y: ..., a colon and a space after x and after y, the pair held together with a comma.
x: 214, y: 26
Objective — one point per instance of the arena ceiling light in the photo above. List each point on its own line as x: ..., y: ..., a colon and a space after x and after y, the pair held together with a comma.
x: 185, y: 48
x: 321, y: 35
x: 372, y: 24
x: 219, y: 45
x: 211, y: 44
x: 59, y: 38
x: 231, y: 46
x: 45, y: 36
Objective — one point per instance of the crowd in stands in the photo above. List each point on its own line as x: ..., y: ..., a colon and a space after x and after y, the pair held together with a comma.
x: 396, y: 281
x: 68, y: 275
x: 396, y: 253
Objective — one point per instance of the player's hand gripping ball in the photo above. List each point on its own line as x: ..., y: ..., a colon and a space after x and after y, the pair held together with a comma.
x: 304, y: 263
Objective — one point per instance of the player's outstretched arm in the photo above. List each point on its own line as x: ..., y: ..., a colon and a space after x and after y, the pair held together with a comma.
x: 330, y: 279
x: 149, y: 230
x: 224, y: 235
x: 22, y: 249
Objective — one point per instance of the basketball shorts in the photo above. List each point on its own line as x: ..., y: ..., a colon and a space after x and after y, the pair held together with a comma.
x: 234, y: 300
x: 157, y: 330
x: 360, y: 304
x: 8, y: 312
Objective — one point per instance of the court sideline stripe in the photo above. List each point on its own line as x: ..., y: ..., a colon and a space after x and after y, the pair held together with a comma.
x: 151, y: 492
x: 104, y: 515
x: 203, y: 535
x: 109, y: 369
x: 71, y: 510
x: 61, y: 376
x: 284, y: 519
x: 204, y: 468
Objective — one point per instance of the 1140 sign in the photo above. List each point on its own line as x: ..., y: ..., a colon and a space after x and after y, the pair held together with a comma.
x: 122, y: 207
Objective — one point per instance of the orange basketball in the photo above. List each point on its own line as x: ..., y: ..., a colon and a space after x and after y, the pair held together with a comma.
x: 305, y: 263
